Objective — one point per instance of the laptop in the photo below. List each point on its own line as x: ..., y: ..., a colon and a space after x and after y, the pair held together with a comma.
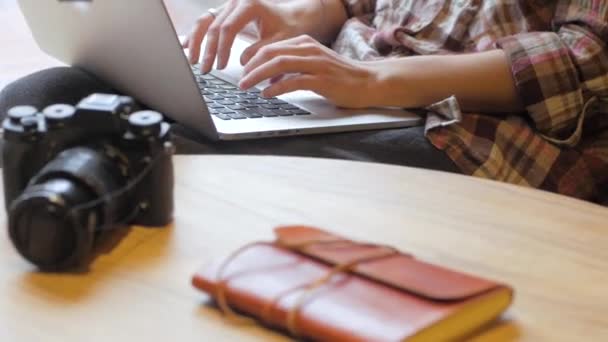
x: 133, y: 46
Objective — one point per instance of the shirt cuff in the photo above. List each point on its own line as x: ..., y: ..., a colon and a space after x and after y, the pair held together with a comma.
x: 547, y: 82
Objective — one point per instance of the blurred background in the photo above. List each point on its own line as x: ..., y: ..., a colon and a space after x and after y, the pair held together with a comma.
x: 20, y: 56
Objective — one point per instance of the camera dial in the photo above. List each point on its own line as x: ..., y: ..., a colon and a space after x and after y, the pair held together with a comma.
x: 15, y: 114
x: 57, y: 115
x: 146, y: 123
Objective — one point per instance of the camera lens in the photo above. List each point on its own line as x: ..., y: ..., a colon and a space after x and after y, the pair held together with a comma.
x: 41, y: 228
x: 54, y: 221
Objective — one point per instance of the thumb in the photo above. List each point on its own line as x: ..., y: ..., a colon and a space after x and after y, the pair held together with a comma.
x: 253, y: 48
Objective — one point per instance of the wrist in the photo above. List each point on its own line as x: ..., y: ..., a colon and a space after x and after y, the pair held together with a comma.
x: 392, y: 85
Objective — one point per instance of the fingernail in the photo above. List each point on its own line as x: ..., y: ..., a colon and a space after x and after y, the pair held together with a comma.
x: 244, y: 59
x: 207, y: 64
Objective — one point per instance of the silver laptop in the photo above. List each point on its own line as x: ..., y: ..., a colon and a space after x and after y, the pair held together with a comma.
x: 133, y: 46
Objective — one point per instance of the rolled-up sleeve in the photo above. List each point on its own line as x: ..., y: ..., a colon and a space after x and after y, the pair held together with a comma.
x: 355, y: 8
x: 560, y: 74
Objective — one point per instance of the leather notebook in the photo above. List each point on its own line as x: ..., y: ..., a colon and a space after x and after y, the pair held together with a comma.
x: 316, y: 285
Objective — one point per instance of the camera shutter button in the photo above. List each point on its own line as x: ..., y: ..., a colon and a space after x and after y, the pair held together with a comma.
x: 15, y: 114
x: 145, y: 123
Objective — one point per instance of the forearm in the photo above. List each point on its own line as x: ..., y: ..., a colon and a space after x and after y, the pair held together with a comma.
x: 480, y: 81
x: 328, y: 18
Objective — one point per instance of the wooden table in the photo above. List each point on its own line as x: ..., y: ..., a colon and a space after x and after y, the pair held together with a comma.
x: 552, y: 249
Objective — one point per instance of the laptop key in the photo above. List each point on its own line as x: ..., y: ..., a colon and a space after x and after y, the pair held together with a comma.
x: 283, y: 112
x: 236, y: 107
x: 223, y: 116
x: 267, y: 113
x: 237, y: 116
x: 253, y: 114
x: 248, y: 97
x: 215, y: 97
x: 215, y: 105
x: 225, y: 111
x: 289, y: 107
x: 226, y: 102
x: 270, y: 106
x: 299, y: 112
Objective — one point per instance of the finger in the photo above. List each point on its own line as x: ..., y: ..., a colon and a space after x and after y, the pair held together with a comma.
x: 213, y: 34
x: 282, y: 65
x: 303, y: 38
x: 252, y: 49
x: 195, y: 39
x: 293, y: 83
x: 232, y: 25
x: 269, y: 52
x: 277, y: 78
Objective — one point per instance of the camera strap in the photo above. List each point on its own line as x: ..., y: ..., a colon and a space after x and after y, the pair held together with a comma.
x: 117, y: 195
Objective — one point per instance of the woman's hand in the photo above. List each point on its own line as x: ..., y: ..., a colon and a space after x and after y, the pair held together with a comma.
x: 274, y: 20
x: 481, y: 81
x: 302, y: 63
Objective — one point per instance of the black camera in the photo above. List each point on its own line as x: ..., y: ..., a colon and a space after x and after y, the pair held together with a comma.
x: 71, y: 173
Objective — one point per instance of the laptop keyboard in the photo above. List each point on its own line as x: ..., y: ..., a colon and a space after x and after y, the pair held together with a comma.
x: 227, y: 102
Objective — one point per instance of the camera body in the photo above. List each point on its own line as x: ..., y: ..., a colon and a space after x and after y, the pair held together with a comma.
x: 73, y: 172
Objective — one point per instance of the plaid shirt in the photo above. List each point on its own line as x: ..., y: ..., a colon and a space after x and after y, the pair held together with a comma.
x: 559, y: 60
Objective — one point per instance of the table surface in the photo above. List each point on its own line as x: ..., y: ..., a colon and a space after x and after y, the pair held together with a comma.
x: 552, y: 249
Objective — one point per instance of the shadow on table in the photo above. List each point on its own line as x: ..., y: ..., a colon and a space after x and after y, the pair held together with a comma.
x: 502, y: 330
x: 117, y: 252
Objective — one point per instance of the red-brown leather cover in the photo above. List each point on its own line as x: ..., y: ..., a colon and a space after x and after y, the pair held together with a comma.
x: 385, y: 299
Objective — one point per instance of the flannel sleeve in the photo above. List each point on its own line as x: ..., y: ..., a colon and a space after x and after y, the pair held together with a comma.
x: 560, y: 74
x: 355, y: 8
